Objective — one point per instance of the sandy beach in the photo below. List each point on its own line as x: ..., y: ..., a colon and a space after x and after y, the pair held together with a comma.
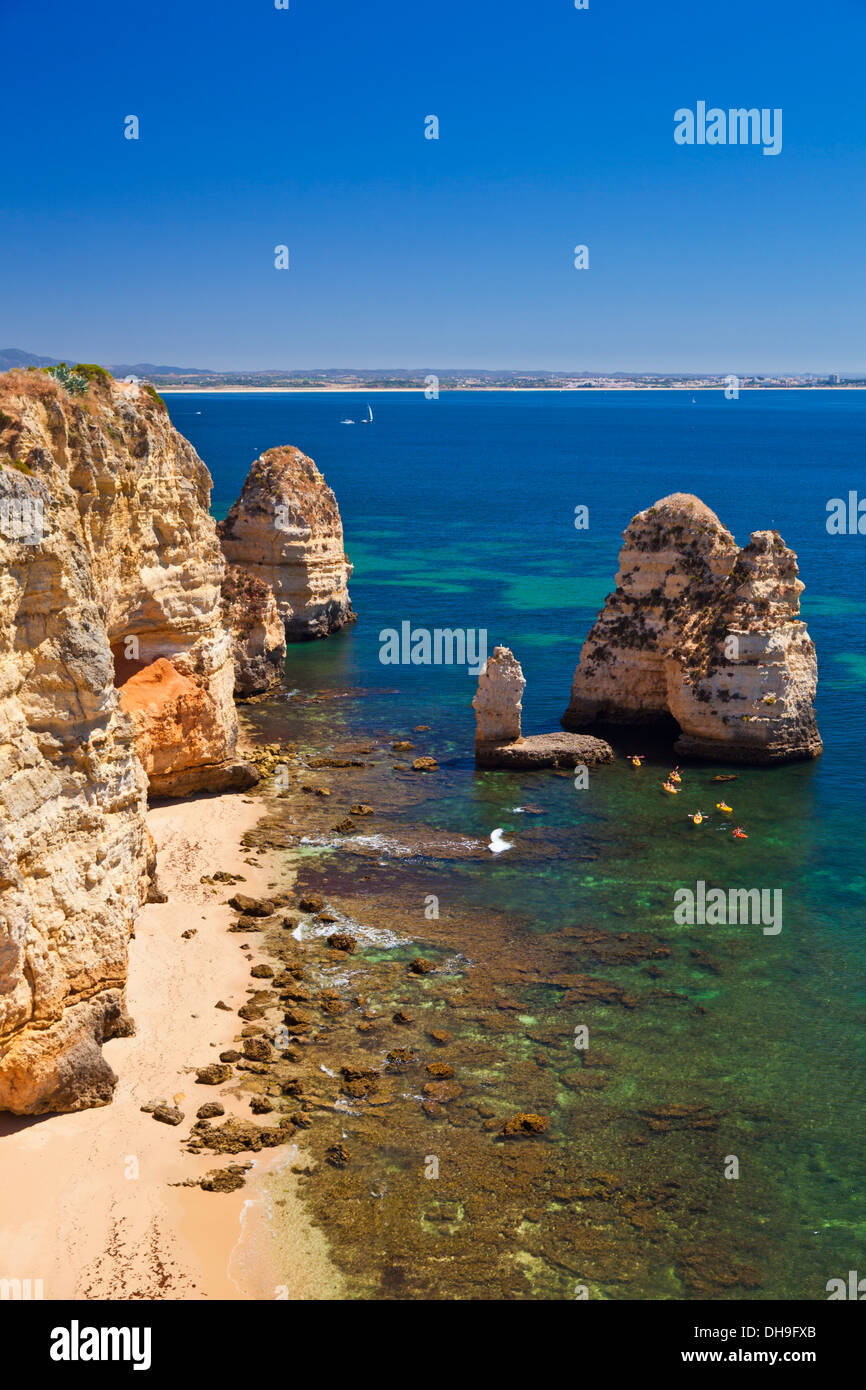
x: 87, y: 1204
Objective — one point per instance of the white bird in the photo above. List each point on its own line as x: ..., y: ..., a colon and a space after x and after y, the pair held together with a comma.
x: 497, y: 844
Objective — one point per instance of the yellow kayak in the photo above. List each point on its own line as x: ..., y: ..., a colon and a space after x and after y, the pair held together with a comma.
x: 697, y: 817
x: 723, y: 806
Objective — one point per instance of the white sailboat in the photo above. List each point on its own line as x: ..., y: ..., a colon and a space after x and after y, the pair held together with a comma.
x: 369, y: 419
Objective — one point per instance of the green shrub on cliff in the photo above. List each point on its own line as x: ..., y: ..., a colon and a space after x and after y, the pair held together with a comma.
x: 70, y: 378
x: 154, y: 395
x: 91, y: 371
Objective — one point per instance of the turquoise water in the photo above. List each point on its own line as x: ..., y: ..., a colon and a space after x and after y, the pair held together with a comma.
x: 459, y: 513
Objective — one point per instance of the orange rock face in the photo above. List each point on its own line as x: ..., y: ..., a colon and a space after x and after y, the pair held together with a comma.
x: 179, y: 736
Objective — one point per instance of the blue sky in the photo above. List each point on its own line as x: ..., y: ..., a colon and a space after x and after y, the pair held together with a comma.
x: 305, y: 127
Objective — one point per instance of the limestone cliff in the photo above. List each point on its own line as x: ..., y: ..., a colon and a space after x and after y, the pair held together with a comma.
x: 252, y: 618
x: 701, y: 631
x: 140, y: 495
x: 744, y: 677
x: 105, y: 542
x: 285, y: 529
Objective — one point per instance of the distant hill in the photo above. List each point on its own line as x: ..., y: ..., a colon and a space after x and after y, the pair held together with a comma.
x: 14, y: 357
x: 419, y: 378
x: 150, y: 369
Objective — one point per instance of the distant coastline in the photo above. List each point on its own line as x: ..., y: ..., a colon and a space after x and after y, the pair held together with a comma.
x: 350, y: 380
x: 468, y: 390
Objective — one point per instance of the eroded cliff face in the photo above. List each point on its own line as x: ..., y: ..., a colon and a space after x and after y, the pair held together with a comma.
x: 253, y: 621
x: 105, y: 541
x: 140, y: 496
x: 285, y: 529
x: 673, y: 556
x: 744, y: 677
x: 706, y: 633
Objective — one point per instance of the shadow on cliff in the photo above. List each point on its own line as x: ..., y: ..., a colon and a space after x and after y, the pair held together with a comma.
x: 655, y: 739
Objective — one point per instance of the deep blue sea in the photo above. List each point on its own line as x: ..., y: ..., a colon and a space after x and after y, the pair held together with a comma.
x: 459, y: 513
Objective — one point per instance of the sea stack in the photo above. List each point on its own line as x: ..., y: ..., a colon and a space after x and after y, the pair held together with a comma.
x: 498, y: 700
x: 111, y: 575
x: 498, y: 738
x: 285, y: 529
x: 703, y: 633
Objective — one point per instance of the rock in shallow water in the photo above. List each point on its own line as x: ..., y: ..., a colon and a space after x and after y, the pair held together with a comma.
x: 523, y: 1124
x: 545, y: 750
x: 498, y: 738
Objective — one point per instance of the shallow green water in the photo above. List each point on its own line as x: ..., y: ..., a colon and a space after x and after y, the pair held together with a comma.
x: 460, y: 514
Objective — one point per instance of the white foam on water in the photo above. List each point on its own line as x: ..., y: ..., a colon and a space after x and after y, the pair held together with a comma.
x: 401, y: 850
x: 394, y: 848
x: 373, y: 936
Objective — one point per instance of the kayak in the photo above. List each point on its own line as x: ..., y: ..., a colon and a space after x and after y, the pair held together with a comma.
x: 722, y: 806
